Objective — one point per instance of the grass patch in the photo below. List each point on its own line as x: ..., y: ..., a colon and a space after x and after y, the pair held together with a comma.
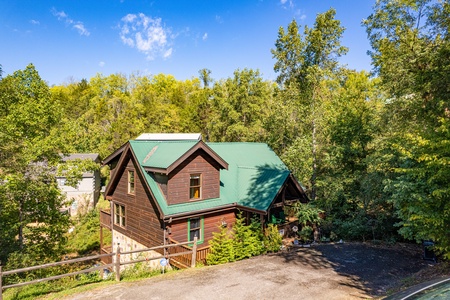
x: 57, y: 289
x: 63, y: 285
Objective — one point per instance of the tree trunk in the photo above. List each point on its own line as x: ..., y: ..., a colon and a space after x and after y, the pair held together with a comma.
x: 21, y: 225
x: 314, y: 161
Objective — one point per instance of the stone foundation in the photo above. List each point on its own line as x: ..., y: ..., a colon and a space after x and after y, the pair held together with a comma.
x: 128, y: 244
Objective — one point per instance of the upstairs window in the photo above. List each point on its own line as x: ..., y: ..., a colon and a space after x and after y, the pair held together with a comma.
x: 119, y: 215
x: 130, y: 182
x: 195, y: 187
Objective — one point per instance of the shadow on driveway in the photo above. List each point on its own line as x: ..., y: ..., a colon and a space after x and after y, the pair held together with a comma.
x: 374, y: 269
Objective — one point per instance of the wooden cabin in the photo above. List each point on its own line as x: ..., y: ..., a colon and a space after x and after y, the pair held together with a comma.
x: 170, y: 189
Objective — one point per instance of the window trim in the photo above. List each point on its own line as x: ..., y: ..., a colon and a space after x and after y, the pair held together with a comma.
x: 201, y: 239
x: 131, y: 184
x: 199, y: 186
x: 122, y: 215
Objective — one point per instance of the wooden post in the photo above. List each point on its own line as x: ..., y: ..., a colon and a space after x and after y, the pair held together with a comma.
x: 194, y: 253
x: 101, y: 245
x: 1, y: 288
x: 118, y: 262
x: 111, y: 214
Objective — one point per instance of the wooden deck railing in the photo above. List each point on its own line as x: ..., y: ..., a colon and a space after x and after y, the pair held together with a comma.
x: 190, y: 251
x: 105, y: 219
x: 186, y: 260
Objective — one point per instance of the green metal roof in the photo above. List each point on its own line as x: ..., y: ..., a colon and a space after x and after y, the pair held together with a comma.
x: 159, y: 154
x: 255, y: 173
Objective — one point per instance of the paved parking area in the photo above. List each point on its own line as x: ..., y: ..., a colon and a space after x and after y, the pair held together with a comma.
x: 330, y: 271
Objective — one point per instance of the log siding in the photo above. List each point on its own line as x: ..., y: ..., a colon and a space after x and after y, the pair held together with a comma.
x: 179, y: 180
x: 142, y: 222
x: 180, y: 233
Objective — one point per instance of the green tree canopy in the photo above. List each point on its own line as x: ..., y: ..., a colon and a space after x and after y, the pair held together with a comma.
x: 411, y: 54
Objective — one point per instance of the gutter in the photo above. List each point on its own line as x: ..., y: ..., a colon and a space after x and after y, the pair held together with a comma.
x: 170, y: 218
x: 261, y: 212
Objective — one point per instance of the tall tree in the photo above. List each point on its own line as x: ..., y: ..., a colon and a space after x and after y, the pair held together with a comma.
x: 303, y: 63
x: 239, y: 107
x: 411, y: 54
x: 30, y: 220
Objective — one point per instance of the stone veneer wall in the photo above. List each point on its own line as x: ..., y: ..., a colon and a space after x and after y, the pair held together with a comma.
x: 128, y: 244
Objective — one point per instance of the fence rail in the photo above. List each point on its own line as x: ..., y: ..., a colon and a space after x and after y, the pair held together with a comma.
x: 187, y: 260
x: 192, y: 252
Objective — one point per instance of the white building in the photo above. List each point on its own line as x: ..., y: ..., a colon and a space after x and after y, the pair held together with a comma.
x: 85, y: 195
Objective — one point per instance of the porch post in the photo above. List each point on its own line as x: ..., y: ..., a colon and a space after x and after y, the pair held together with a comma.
x: 261, y: 218
x: 118, y: 262
x: 101, y: 247
x: 194, y: 253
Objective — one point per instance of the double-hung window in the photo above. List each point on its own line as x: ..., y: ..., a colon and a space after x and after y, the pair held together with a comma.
x: 195, y: 229
x: 195, y: 186
x: 119, y: 215
x: 130, y: 182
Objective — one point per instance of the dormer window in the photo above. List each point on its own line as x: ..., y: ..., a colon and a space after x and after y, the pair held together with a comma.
x: 195, y: 187
x: 130, y: 182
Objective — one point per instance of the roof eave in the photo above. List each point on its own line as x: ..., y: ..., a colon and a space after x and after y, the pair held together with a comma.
x: 254, y: 210
x: 161, y: 212
x: 113, y: 181
x: 200, y: 145
x: 113, y: 155
x: 156, y: 170
x: 177, y: 216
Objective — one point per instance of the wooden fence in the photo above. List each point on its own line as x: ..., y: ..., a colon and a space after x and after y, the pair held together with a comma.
x: 116, y: 264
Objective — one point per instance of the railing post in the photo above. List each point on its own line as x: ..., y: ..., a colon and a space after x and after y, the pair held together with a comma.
x: 194, y: 253
x: 1, y: 288
x: 117, y: 263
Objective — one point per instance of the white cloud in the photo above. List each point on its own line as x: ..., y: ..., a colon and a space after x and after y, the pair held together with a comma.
x: 146, y: 34
x: 287, y: 4
x: 205, y: 36
x: 81, y: 29
x: 219, y: 19
x: 168, y: 53
x: 290, y: 4
x: 301, y: 16
x: 101, y: 64
x: 34, y: 22
x: 79, y: 26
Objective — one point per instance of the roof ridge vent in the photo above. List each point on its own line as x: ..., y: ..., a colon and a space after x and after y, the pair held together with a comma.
x: 170, y: 137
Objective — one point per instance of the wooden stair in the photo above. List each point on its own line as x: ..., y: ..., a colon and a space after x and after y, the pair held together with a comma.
x: 178, y: 264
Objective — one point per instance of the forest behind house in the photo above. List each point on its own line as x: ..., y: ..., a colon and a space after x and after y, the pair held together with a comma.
x: 371, y: 150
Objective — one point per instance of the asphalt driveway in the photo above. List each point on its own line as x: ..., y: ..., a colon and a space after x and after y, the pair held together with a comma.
x: 328, y: 271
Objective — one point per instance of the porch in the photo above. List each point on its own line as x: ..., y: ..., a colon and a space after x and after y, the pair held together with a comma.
x: 105, y: 236
x: 182, y: 261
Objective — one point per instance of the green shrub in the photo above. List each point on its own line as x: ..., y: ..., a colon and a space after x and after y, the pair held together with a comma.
x: 272, y: 238
x: 306, y: 233
x: 247, y: 239
x: 222, y: 250
x: 243, y: 241
x: 85, y: 237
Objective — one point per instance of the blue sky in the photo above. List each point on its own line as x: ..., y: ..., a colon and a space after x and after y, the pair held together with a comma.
x: 75, y: 39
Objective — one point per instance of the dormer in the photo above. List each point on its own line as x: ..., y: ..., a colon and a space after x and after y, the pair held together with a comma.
x: 185, y: 170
